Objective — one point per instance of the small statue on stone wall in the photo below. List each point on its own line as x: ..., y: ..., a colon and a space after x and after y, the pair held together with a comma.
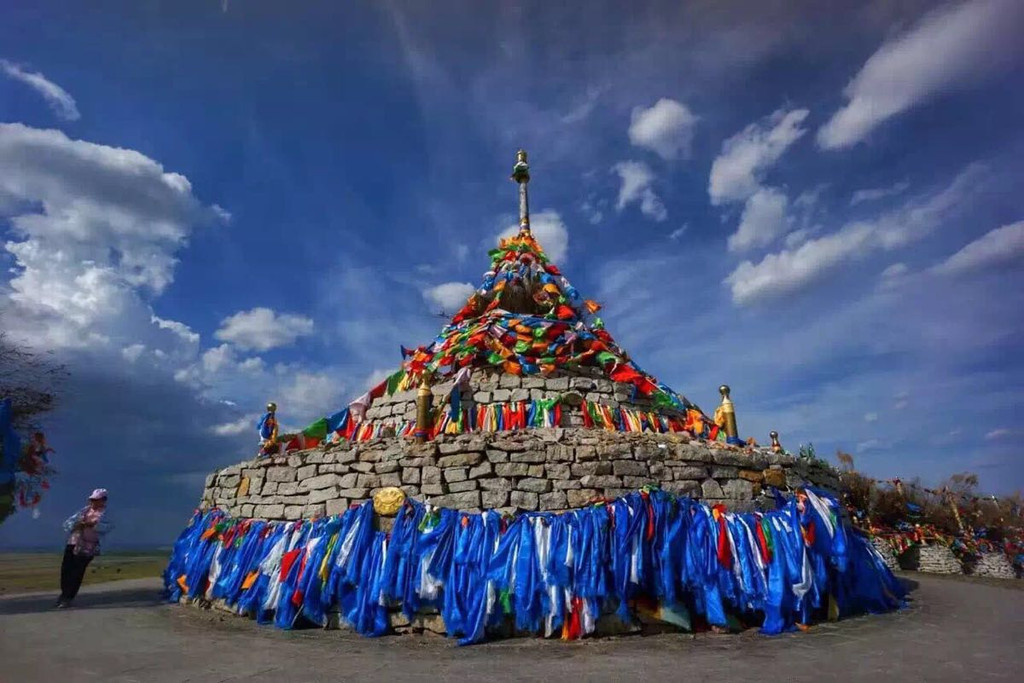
x: 268, y: 431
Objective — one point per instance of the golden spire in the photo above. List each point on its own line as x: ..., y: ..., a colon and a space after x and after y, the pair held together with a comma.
x: 521, y: 174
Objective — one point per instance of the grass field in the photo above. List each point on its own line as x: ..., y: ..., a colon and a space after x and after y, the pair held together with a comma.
x: 24, y: 572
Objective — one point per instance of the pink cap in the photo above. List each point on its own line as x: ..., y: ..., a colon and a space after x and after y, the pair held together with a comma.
x: 98, y: 494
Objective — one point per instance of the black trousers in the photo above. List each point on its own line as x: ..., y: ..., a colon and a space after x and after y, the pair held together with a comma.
x: 72, y: 571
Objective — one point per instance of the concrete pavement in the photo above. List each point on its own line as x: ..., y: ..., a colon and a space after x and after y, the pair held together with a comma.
x: 953, y: 631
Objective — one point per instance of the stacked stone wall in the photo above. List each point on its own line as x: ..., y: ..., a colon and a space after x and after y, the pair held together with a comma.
x: 536, y: 469
x: 933, y: 559
x: 995, y: 565
x: 492, y: 388
x: 887, y: 553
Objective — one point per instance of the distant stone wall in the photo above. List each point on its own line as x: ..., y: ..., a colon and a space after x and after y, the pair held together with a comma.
x: 534, y: 469
x: 887, y: 553
x: 995, y: 565
x: 933, y: 559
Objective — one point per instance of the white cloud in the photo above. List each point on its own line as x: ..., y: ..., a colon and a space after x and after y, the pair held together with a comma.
x: 793, y: 269
x: 246, y: 423
x: 637, y: 180
x: 583, y: 110
x: 449, y: 296
x: 952, y: 47
x: 60, y: 101
x: 871, y: 417
x: 311, y: 393
x: 998, y: 434
x: 764, y: 219
x: 95, y: 232
x: 893, y: 275
x: 666, y: 128
x: 549, y: 230
x: 679, y: 232
x: 262, y: 329
x: 736, y: 172
x: 994, y: 249
x: 593, y: 214
x: 871, y: 195
x: 133, y: 352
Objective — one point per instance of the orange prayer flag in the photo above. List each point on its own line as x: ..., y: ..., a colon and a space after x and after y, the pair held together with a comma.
x: 592, y: 306
x: 250, y: 579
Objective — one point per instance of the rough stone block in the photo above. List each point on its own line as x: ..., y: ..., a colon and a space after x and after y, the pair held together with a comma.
x: 482, y: 470
x: 752, y: 475
x: 368, y: 481
x: 391, y: 479
x: 556, y: 500
x: 281, y: 474
x: 269, y: 511
x: 720, y: 472
x: 460, y: 460
x: 496, y: 456
x: 526, y: 500
x: 305, y: 472
x: 496, y: 484
x: 557, y: 470
x: 410, y: 475
x: 585, y: 453
x: 386, y: 467
x: 520, y: 395
x: 565, y: 485
x: 773, y: 477
x: 638, y: 482
x: 558, y: 384
x: 630, y: 467
x: 290, y: 488
x: 711, y: 489
x: 483, y: 397
x: 581, y: 497
x: 337, y: 506
x: 738, y: 489
x: 432, y: 489
x: 495, y: 499
x: 512, y: 469
x: 689, y: 472
x: 507, y: 381
x: 292, y: 512
x: 528, y: 456
x: 686, y: 488
x: 467, y: 500
x: 318, y: 482
x: 354, y: 493
x: 229, y: 482
x: 601, y: 481
x: 455, y: 474
x: 322, y: 495
x: 535, y: 471
x: 362, y: 467
x: 501, y: 395
x: 534, y: 485
x: 460, y: 486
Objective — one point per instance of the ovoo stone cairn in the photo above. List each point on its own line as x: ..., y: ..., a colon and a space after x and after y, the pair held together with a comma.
x: 523, y: 402
x: 933, y: 558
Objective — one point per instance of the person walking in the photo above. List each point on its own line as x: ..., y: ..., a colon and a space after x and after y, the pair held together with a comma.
x: 86, y: 527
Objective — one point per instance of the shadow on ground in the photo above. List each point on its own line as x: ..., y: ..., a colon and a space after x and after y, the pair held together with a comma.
x: 112, y: 598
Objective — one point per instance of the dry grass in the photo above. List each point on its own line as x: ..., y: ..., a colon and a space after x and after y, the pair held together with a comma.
x: 26, y: 572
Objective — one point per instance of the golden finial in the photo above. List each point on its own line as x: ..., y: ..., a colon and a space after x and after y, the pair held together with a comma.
x: 271, y: 407
x: 776, y: 446
x: 728, y: 413
x: 424, y: 401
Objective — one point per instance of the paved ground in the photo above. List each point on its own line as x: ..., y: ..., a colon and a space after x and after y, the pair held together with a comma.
x: 954, y: 631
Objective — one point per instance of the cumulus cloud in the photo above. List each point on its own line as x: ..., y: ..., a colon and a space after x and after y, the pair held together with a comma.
x: 449, y: 296
x: 793, y: 269
x: 871, y: 195
x: 637, y: 180
x: 764, y: 219
x: 665, y: 128
x: 96, y: 230
x: 59, y: 99
x: 246, y: 423
x: 549, y: 230
x: 736, y: 173
x: 951, y: 47
x: 998, y: 434
x: 262, y: 329
x: 997, y: 248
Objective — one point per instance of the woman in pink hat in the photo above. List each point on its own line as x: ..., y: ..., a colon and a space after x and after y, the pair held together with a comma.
x: 86, y: 527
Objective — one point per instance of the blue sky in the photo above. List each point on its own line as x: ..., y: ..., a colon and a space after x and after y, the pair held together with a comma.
x: 208, y: 205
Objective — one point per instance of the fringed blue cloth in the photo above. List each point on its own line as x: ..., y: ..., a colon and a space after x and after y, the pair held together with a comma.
x: 547, y: 573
